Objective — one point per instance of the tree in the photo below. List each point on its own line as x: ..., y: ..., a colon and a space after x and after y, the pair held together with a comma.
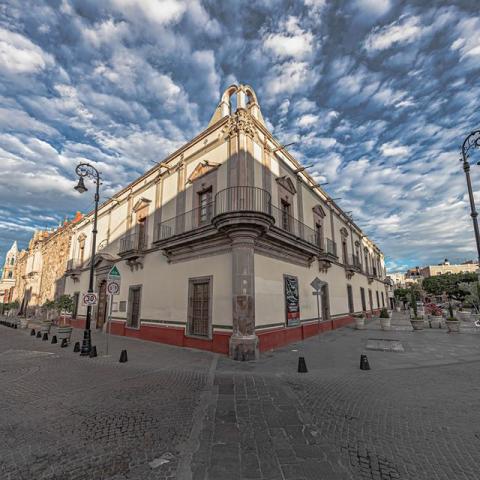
x: 449, y: 283
x: 472, y: 296
x: 65, y: 303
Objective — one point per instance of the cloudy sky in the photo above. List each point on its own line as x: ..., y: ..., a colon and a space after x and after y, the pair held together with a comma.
x: 378, y: 94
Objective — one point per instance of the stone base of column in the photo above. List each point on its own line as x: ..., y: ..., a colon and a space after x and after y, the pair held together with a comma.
x: 244, y: 348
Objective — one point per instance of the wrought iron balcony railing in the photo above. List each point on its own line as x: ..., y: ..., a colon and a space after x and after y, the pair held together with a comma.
x: 133, y: 242
x: 241, y: 199
x: 353, y: 262
x: 73, y: 264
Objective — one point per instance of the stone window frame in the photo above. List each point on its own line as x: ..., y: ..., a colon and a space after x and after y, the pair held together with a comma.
x: 363, y: 299
x: 378, y: 299
x: 350, y: 300
x: 286, y: 193
x: 318, y: 220
x: 208, y: 181
x: 76, y: 304
x: 191, y: 282
x: 130, y: 307
x: 344, y: 235
x: 141, y: 210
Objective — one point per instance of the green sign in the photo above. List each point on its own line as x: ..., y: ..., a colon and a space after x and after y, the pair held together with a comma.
x: 114, y: 272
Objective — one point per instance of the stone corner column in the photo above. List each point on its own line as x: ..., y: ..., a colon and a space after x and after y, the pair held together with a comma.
x: 244, y: 343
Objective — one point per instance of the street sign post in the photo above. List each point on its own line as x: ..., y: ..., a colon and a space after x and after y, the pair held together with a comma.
x: 113, y: 288
x: 317, y: 285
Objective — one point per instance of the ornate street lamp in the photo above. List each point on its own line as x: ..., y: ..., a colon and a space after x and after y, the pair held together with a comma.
x: 472, y: 141
x: 86, y: 170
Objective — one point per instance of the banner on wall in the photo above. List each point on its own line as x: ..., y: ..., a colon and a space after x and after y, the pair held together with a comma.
x: 292, y: 300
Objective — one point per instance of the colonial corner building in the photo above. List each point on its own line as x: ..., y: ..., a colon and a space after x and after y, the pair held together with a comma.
x: 218, y: 245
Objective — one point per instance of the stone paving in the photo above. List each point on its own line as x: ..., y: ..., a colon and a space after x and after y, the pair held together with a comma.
x: 186, y: 414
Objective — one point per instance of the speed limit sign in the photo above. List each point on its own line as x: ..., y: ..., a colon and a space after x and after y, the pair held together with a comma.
x: 113, y: 287
x: 89, y: 299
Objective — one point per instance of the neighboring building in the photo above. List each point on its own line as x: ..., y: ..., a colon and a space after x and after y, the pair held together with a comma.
x: 41, y: 268
x: 7, y: 280
x: 397, y: 279
x: 446, y: 267
x: 217, y: 246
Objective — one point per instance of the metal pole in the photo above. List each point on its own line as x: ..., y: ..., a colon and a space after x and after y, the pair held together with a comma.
x: 318, y: 305
x: 466, y: 168
x: 109, y: 320
x: 87, y: 339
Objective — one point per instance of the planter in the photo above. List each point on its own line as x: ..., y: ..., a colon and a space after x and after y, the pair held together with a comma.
x: 23, y: 323
x: 417, y: 323
x: 464, y: 316
x: 64, y: 332
x: 436, y: 321
x: 385, y: 323
x: 453, y: 326
x: 45, y: 328
x: 359, y: 323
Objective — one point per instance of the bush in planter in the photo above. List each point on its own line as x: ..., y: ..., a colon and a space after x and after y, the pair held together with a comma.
x: 384, y: 313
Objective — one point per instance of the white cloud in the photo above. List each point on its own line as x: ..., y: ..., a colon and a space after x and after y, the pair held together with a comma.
x: 18, y: 55
x: 376, y: 8
x: 161, y: 12
x: 394, y: 149
x: 405, y: 30
x: 293, y: 42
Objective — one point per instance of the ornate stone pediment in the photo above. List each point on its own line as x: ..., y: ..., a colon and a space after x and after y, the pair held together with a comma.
x: 344, y: 232
x: 287, y: 184
x: 141, y: 203
x: 202, y: 169
x: 318, y: 210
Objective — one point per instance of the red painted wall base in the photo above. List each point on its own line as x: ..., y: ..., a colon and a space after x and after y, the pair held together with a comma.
x: 269, y: 339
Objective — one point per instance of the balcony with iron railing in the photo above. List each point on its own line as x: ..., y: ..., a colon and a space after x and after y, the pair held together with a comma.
x: 74, y: 264
x: 240, y: 205
x: 132, y: 244
x: 352, y: 263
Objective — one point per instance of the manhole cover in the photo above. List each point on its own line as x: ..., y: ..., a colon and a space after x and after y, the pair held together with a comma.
x: 384, y: 345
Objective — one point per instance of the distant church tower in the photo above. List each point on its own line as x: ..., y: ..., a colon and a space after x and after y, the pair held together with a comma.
x: 10, y: 260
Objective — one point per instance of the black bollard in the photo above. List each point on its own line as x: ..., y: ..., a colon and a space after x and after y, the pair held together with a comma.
x: 45, y: 336
x: 93, y: 351
x: 302, y: 366
x: 364, y: 365
x: 32, y: 332
x: 39, y: 334
x: 76, y: 347
x: 123, y: 357
x: 54, y: 339
x: 15, y: 326
x: 64, y: 343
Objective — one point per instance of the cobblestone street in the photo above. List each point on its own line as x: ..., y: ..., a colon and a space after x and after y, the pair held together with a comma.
x: 187, y: 414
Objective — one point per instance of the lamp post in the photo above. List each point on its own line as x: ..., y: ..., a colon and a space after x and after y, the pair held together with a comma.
x: 472, y: 141
x: 86, y: 170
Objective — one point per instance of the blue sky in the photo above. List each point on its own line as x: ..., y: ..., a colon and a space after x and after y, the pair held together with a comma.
x: 378, y: 94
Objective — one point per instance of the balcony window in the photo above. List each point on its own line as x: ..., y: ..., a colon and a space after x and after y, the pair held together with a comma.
x: 319, y: 234
x: 285, y: 215
x: 205, y: 201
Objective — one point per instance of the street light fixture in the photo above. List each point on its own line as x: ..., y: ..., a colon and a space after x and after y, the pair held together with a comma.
x: 86, y: 170
x: 472, y: 141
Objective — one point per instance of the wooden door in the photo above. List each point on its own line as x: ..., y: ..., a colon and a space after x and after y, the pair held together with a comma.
x: 102, y: 305
x: 200, y: 309
x: 135, y: 307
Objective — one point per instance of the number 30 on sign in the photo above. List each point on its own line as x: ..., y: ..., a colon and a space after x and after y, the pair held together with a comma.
x: 89, y: 299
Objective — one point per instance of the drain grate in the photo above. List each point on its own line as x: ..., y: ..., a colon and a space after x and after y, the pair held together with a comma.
x: 384, y: 345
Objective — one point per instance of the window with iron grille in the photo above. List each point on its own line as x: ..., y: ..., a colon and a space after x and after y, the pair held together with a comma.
x: 378, y: 299
x: 199, y: 306
x: 285, y: 215
x: 362, y: 297
x: 351, y: 308
x: 318, y: 234
x: 383, y: 300
x: 205, y: 201
x: 370, y: 299
x: 134, y: 299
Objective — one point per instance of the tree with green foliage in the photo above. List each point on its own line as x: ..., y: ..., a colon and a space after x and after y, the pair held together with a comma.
x: 65, y: 303
x: 449, y: 283
x: 472, y: 297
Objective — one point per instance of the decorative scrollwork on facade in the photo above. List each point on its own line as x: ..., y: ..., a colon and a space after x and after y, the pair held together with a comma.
x: 240, y: 122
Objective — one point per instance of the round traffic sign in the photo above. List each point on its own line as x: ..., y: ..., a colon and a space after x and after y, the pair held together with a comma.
x: 113, y: 288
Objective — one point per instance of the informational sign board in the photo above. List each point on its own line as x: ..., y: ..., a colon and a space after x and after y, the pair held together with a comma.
x: 292, y: 300
x: 113, y: 281
x: 89, y: 299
